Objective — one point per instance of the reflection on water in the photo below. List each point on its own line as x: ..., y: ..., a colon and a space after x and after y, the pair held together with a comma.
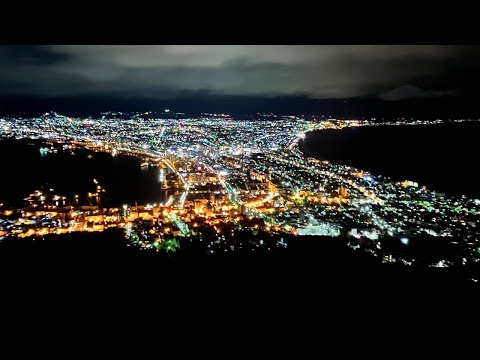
x: 163, y: 176
x: 25, y: 168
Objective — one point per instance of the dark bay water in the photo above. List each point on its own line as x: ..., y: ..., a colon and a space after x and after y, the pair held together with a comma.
x: 442, y: 157
x: 24, y: 169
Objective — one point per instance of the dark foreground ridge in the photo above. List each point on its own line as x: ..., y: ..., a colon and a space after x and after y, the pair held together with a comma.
x: 312, y: 271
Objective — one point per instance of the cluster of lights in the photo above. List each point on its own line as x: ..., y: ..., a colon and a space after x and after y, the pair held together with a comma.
x: 259, y: 166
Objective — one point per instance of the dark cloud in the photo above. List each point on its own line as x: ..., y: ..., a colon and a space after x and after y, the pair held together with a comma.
x: 29, y: 55
x: 410, y: 92
x: 321, y: 72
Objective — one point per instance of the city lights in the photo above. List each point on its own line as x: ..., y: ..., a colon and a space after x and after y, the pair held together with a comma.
x: 233, y: 174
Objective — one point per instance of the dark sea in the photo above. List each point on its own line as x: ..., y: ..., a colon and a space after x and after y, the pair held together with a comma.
x: 25, y: 169
x: 442, y: 157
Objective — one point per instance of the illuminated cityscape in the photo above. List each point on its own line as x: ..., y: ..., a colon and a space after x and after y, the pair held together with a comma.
x: 230, y: 178
x: 302, y: 179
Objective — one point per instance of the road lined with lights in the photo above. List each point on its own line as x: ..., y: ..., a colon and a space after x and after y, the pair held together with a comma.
x: 224, y: 170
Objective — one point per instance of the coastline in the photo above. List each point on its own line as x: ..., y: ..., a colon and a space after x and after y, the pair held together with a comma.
x: 401, y: 154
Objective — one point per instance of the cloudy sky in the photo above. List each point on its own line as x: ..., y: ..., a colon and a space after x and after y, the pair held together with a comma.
x: 389, y: 73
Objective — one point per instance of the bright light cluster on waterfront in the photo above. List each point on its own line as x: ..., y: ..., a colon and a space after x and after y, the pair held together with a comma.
x: 231, y: 175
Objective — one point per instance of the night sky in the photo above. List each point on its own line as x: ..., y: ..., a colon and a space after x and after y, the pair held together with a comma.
x: 357, y: 80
